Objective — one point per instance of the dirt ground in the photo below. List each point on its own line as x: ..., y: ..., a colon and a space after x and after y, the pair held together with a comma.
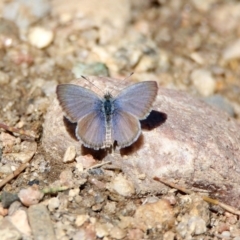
x: 184, y: 45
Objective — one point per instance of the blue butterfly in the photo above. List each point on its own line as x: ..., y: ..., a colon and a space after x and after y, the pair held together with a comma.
x: 102, y: 121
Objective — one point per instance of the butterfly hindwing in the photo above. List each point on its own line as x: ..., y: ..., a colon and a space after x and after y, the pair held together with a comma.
x: 91, y: 130
x: 125, y: 128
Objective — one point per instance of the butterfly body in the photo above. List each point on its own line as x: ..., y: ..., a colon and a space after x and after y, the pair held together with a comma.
x: 102, y: 121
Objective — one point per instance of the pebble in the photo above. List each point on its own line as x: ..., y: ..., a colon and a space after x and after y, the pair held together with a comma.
x: 204, y: 82
x: 232, y: 51
x: 168, y: 235
x: 40, y: 222
x: 135, y: 234
x: 81, y: 219
x: 27, y: 150
x: 4, y: 78
x: 40, y: 37
x: 86, y: 161
x: 122, y: 186
x: 190, y: 226
x: 225, y: 13
x: 226, y: 234
x: 53, y: 203
x: 73, y: 192
x: 70, y: 154
x: 30, y: 196
x: 152, y: 215
x: 3, y: 211
x: 220, y: 102
x: 203, y: 5
x: 6, y: 169
x: 8, y: 198
x: 8, y: 231
x: 93, y: 69
x: 117, y: 233
x: 101, y: 230
x: 66, y: 178
x: 20, y: 220
x: 24, y: 12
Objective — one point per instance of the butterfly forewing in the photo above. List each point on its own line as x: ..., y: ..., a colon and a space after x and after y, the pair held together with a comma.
x: 125, y: 128
x: 91, y: 130
x: 138, y: 98
x: 77, y: 101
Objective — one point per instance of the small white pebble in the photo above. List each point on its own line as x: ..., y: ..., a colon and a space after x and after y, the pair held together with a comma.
x: 81, y: 219
x: 40, y: 37
x: 226, y: 234
x: 101, y: 230
x: 74, y: 192
x: 70, y: 154
x: 203, y: 81
x: 122, y: 186
x: 53, y: 203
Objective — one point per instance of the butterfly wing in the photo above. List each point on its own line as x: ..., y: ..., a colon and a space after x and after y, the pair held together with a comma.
x: 84, y: 107
x: 125, y: 128
x: 76, y: 101
x: 91, y: 130
x: 137, y: 99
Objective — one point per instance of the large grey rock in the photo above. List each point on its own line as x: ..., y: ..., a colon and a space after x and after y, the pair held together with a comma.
x: 197, y: 145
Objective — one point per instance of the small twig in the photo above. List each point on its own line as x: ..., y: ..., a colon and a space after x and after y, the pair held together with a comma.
x: 205, y: 198
x: 15, y: 173
x: 16, y: 130
x: 98, y: 165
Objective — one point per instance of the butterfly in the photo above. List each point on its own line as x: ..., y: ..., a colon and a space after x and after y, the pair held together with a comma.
x: 103, y: 120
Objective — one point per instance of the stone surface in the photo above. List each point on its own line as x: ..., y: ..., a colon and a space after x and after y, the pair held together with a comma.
x: 40, y: 222
x: 196, y: 144
x: 203, y: 81
x: 152, y: 215
x: 8, y: 231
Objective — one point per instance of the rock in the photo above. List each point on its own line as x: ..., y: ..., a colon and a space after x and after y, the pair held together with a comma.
x: 101, y: 230
x: 108, y: 16
x: 220, y: 102
x: 203, y: 5
x: 117, y: 233
x: 4, y: 78
x: 27, y: 150
x: 185, y: 139
x: 30, y: 196
x: 191, y: 226
x: 203, y: 81
x: 83, y: 69
x: 53, y: 203
x: 69, y: 154
x: 20, y: 221
x: 3, y: 211
x: 24, y: 12
x: 232, y: 51
x: 40, y: 222
x: 122, y: 186
x: 8, y: 231
x: 152, y: 215
x: 80, y: 219
x: 40, y: 37
x: 227, y: 12
x: 8, y: 198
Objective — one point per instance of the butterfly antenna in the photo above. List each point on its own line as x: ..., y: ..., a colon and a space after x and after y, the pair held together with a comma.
x: 129, y: 76
x: 91, y: 83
